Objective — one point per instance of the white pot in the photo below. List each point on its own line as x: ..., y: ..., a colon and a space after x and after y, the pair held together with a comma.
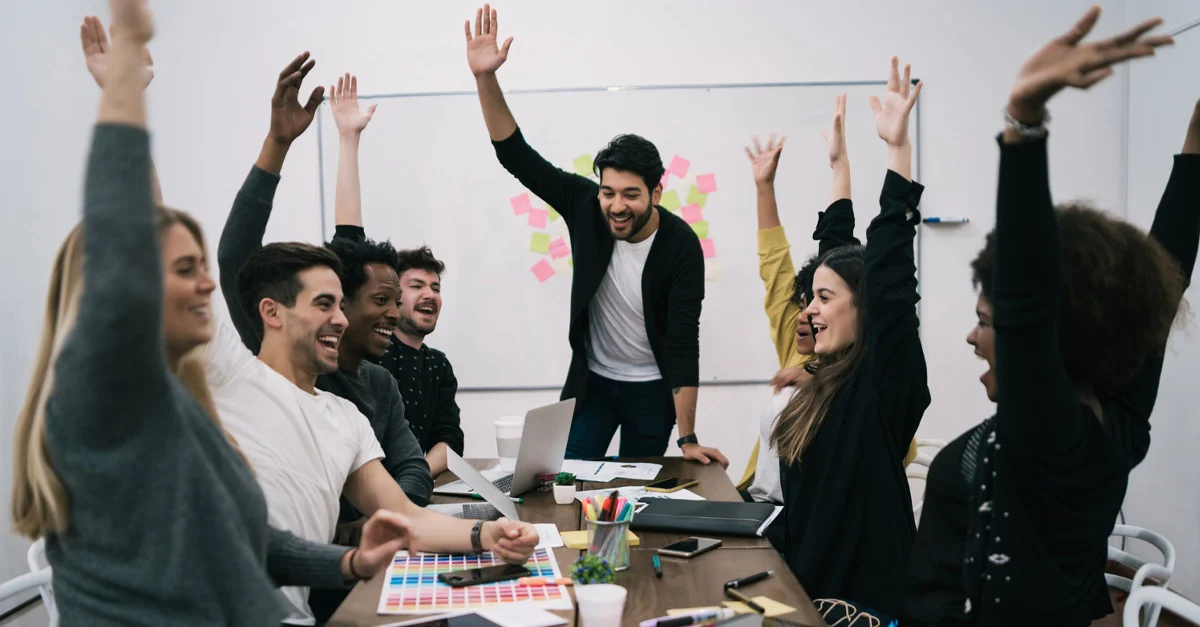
x: 564, y: 494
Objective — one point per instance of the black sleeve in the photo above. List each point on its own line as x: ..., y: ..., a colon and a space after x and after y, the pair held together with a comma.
x: 835, y: 226
x: 403, y: 458
x: 242, y: 235
x: 560, y: 189
x: 685, y: 297
x: 350, y: 232
x: 894, y: 360
x: 1038, y: 410
x: 446, y: 426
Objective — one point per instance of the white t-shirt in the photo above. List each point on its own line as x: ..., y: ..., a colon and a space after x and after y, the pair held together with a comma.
x: 766, y: 488
x: 301, y: 446
x: 618, y: 347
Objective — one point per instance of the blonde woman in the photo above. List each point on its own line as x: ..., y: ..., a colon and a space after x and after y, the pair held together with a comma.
x: 151, y: 516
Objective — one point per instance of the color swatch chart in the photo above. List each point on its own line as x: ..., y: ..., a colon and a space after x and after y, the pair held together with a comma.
x: 412, y: 586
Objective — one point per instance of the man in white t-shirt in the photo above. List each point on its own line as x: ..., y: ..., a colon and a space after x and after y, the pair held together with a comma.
x: 307, y: 446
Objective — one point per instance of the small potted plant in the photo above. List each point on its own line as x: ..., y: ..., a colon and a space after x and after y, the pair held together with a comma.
x: 590, y: 569
x: 564, y: 488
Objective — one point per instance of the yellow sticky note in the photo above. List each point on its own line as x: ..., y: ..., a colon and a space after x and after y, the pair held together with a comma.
x: 540, y: 243
x: 694, y: 197
x: 670, y: 200
x: 583, y: 165
x: 553, y: 214
x: 773, y: 608
x: 692, y: 610
x: 701, y: 228
x: 713, y: 271
x: 578, y: 539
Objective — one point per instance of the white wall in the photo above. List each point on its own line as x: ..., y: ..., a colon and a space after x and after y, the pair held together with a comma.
x: 217, y: 61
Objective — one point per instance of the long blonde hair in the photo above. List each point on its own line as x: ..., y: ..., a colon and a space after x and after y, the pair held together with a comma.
x: 40, y: 504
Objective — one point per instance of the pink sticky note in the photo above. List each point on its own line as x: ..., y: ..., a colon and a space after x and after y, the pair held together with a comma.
x: 708, y: 247
x: 558, y: 248
x: 692, y: 214
x: 542, y: 270
x: 537, y: 218
x: 706, y: 183
x: 666, y: 175
x: 679, y: 166
x: 520, y: 204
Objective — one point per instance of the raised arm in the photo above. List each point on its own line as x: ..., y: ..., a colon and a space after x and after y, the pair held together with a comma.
x: 894, y: 357
x: 1038, y: 404
x: 247, y: 222
x: 561, y: 190
x: 350, y: 121
x: 775, y: 265
x: 835, y: 225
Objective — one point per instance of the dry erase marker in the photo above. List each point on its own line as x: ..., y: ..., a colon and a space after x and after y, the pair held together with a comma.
x: 946, y: 220
x: 704, y: 616
x: 657, y: 567
x: 745, y: 581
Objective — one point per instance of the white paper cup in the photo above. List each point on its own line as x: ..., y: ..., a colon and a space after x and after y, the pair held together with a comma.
x: 600, y: 604
x: 508, y: 438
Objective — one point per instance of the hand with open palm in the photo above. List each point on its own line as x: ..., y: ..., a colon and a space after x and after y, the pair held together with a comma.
x: 891, y: 115
x: 96, y: 51
x: 483, y: 55
x: 765, y: 161
x: 343, y: 98
x: 836, y: 137
x: 383, y: 534
x: 289, y: 119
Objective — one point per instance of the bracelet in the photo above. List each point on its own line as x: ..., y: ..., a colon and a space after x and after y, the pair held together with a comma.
x: 1027, y: 130
x: 476, y: 541
x: 353, y: 572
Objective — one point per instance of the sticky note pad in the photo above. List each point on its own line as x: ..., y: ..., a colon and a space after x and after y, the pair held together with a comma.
x: 670, y: 200
x: 542, y: 270
x: 520, y: 204
x: 701, y: 228
x: 539, y: 243
x: 710, y: 249
x: 578, y: 539
x: 558, y: 248
x: 537, y: 218
x: 663, y: 180
x: 694, y: 197
x: 692, y: 214
x: 713, y: 271
x: 706, y: 183
x: 553, y: 214
x: 691, y: 610
x: 679, y: 166
x: 563, y: 267
x: 583, y: 165
x: 773, y: 608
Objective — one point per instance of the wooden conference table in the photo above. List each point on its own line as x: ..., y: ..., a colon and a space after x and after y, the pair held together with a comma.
x: 685, y: 583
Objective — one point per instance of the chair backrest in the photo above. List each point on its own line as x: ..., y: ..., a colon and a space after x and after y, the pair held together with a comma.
x: 23, y: 583
x: 918, y: 468
x: 1154, y: 597
x: 1143, y: 570
x: 38, y: 565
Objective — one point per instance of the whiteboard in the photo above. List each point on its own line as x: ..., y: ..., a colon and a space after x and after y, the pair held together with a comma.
x: 429, y: 176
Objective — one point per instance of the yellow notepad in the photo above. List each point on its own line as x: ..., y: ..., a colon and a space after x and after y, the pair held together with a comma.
x: 578, y: 539
x: 773, y: 608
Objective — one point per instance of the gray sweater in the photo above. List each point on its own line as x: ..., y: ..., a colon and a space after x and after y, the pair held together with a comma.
x: 372, y: 389
x: 167, y: 524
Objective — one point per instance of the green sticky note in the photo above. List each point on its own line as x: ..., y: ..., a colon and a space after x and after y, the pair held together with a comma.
x: 540, y: 243
x: 701, y: 228
x: 553, y: 214
x: 670, y: 200
x: 694, y: 197
x: 583, y: 165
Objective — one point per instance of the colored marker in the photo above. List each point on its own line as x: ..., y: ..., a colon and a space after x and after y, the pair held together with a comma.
x: 545, y: 581
x: 657, y: 567
x: 946, y: 220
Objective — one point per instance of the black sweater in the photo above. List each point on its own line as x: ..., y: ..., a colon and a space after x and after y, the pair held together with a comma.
x: 672, y: 281
x: 847, y: 505
x: 1018, y: 514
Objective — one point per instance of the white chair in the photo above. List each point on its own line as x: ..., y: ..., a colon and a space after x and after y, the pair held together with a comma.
x: 1155, y: 599
x: 24, y: 583
x: 38, y: 566
x: 1143, y: 570
x: 918, y: 468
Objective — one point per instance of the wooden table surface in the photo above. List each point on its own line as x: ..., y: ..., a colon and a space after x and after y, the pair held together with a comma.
x: 685, y: 583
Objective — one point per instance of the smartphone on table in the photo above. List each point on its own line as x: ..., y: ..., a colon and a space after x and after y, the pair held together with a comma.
x: 673, y: 484
x: 490, y: 574
x: 690, y: 547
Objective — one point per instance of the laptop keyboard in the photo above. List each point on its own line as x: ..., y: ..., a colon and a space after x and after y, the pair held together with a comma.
x: 504, y: 484
x: 474, y: 511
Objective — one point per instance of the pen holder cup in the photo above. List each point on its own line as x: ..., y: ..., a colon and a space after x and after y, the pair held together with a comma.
x: 610, y: 542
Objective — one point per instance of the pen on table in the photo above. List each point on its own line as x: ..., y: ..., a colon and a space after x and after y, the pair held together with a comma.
x: 704, y: 616
x: 479, y: 497
x: 946, y: 220
x: 745, y: 599
x: 657, y: 567
x: 745, y: 581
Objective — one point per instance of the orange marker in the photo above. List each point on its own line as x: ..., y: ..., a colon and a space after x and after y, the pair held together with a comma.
x: 544, y: 581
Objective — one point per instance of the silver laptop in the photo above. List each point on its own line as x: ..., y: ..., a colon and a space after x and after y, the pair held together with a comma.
x: 498, y: 503
x: 543, y: 447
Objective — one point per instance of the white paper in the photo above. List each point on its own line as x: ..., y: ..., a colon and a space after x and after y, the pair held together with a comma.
x: 521, y: 615
x: 639, y: 493
x: 548, y: 536
x: 587, y: 471
x: 602, y: 472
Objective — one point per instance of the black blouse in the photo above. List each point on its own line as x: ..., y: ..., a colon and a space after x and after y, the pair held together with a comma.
x: 428, y: 386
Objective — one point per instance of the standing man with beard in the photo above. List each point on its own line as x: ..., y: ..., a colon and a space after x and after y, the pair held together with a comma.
x: 638, y: 287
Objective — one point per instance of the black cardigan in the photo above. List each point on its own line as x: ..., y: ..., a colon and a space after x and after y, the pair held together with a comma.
x: 672, y: 281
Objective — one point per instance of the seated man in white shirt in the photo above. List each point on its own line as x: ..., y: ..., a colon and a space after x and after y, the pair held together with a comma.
x: 306, y: 446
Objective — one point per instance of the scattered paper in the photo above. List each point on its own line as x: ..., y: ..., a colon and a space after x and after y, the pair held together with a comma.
x: 670, y: 200
x: 520, y: 204
x: 679, y: 166
x: 548, y: 536
x: 695, y: 197
x: 639, y: 493
x: 710, y: 249
x: 692, y: 214
x: 537, y: 218
x: 583, y: 470
x: 706, y: 183
x: 559, y: 249
x: 542, y: 270
x: 587, y: 471
x: 713, y: 270
x: 539, y: 243
x: 701, y: 228
x: 773, y: 608
x: 553, y: 214
x: 521, y: 615
x: 583, y: 165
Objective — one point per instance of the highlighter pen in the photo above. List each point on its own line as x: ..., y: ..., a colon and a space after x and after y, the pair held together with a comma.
x: 946, y: 220
x: 545, y: 581
x: 745, y: 599
x: 745, y: 581
x: 479, y: 497
x: 657, y: 567
x: 702, y: 616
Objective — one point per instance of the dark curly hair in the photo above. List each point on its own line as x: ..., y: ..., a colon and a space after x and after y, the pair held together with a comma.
x: 631, y: 153
x: 355, y: 254
x: 421, y: 259
x: 1121, y: 293
x: 802, y: 285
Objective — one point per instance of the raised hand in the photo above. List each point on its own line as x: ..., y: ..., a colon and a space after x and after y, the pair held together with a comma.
x: 343, y: 98
x: 836, y: 138
x: 289, y: 119
x: 383, y: 534
x: 483, y: 55
x: 96, y: 51
x: 513, y: 541
x: 132, y: 20
x: 891, y: 116
x: 1065, y: 62
x: 765, y: 161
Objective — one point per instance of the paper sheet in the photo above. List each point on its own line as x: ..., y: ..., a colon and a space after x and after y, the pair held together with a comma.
x: 607, y: 471
x: 583, y: 165
x: 639, y: 493
x: 548, y: 536
x: 707, y: 247
x: 695, y: 197
x: 542, y: 270
x: 692, y: 214
x: 537, y: 218
x: 539, y: 243
x: 679, y: 166
x: 773, y: 608
x: 670, y: 200
x: 706, y: 183
x: 520, y: 204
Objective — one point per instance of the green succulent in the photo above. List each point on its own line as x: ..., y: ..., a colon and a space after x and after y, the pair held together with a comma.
x: 564, y: 478
x: 590, y: 569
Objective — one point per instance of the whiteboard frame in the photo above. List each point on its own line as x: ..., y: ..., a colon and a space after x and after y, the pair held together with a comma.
x: 617, y: 88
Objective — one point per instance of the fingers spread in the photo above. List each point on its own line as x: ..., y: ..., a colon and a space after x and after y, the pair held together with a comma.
x: 1082, y: 27
x: 293, y: 66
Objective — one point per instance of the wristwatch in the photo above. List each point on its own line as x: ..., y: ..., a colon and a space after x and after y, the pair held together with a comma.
x: 687, y: 439
x: 476, y: 542
x: 1033, y: 131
